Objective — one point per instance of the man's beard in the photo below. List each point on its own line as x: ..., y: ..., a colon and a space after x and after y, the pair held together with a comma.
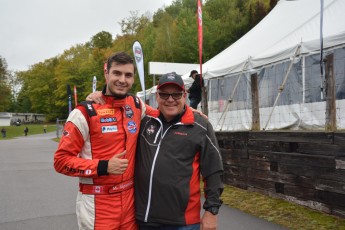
x: 119, y: 96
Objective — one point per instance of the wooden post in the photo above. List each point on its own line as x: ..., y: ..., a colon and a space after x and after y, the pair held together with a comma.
x: 330, y: 95
x: 204, y: 102
x: 255, y: 102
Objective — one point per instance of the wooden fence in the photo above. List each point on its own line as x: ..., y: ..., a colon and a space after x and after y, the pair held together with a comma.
x: 307, y: 168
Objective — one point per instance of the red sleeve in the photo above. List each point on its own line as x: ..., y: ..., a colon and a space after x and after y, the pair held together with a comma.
x: 151, y: 111
x: 66, y: 159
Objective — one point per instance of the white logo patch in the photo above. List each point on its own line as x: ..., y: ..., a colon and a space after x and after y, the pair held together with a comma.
x: 109, y: 129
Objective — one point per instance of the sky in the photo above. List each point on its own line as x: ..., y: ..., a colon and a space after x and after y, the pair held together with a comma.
x: 32, y: 31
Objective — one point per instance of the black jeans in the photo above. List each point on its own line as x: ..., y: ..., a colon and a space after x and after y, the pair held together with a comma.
x: 193, y: 102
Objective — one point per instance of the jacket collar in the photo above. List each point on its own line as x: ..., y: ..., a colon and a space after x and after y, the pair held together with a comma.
x: 187, y: 117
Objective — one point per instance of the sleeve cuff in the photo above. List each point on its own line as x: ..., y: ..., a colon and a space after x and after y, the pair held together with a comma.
x: 102, y: 168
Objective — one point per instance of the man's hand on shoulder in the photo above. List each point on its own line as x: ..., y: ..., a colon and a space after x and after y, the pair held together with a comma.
x: 199, y: 112
x: 96, y: 97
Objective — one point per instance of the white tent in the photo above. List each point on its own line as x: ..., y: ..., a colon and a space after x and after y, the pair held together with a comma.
x: 289, y: 36
x: 289, y: 24
x: 290, y: 33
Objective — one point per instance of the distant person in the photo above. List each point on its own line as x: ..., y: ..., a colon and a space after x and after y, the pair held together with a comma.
x: 195, y: 90
x: 45, y: 128
x: 18, y: 122
x: 26, y: 130
x: 3, y: 131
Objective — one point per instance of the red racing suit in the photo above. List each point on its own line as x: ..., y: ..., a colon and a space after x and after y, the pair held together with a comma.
x: 92, y: 135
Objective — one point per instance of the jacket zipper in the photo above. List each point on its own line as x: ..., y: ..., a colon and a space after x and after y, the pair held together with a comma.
x: 153, y: 166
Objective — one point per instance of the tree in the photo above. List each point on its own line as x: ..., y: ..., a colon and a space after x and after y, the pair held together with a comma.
x: 102, y: 40
x: 166, y: 35
x: 186, y: 45
x: 130, y: 25
x: 23, y: 103
x: 257, y: 10
x: 76, y: 66
x: 15, y: 84
x: 273, y: 3
x: 5, y: 91
x: 39, y: 83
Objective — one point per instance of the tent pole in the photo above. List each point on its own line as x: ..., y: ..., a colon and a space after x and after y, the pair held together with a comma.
x: 322, y: 67
x: 229, y: 100
x: 281, y: 88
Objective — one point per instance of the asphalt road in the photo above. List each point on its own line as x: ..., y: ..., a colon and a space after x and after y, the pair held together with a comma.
x: 34, y: 197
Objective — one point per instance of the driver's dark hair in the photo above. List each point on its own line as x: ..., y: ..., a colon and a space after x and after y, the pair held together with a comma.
x: 121, y: 58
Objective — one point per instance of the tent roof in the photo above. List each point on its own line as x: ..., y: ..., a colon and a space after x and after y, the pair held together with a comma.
x: 160, y: 68
x: 289, y: 24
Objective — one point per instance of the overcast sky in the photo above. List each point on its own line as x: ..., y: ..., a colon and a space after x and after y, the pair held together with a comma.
x: 34, y: 30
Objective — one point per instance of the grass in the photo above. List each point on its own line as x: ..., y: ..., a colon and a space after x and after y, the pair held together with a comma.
x: 289, y: 215
x: 16, y: 131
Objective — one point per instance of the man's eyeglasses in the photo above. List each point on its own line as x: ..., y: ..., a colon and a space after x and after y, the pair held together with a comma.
x: 175, y: 96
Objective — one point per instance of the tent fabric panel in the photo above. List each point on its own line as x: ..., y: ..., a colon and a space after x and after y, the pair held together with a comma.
x: 279, y: 33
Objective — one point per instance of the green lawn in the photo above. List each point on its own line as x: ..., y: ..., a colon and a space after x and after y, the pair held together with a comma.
x: 16, y: 131
x: 287, y: 214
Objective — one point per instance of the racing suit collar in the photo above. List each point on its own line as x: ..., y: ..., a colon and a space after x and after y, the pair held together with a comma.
x: 112, y: 100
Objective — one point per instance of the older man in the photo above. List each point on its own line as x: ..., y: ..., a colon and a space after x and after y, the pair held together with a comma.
x: 175, y: 145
